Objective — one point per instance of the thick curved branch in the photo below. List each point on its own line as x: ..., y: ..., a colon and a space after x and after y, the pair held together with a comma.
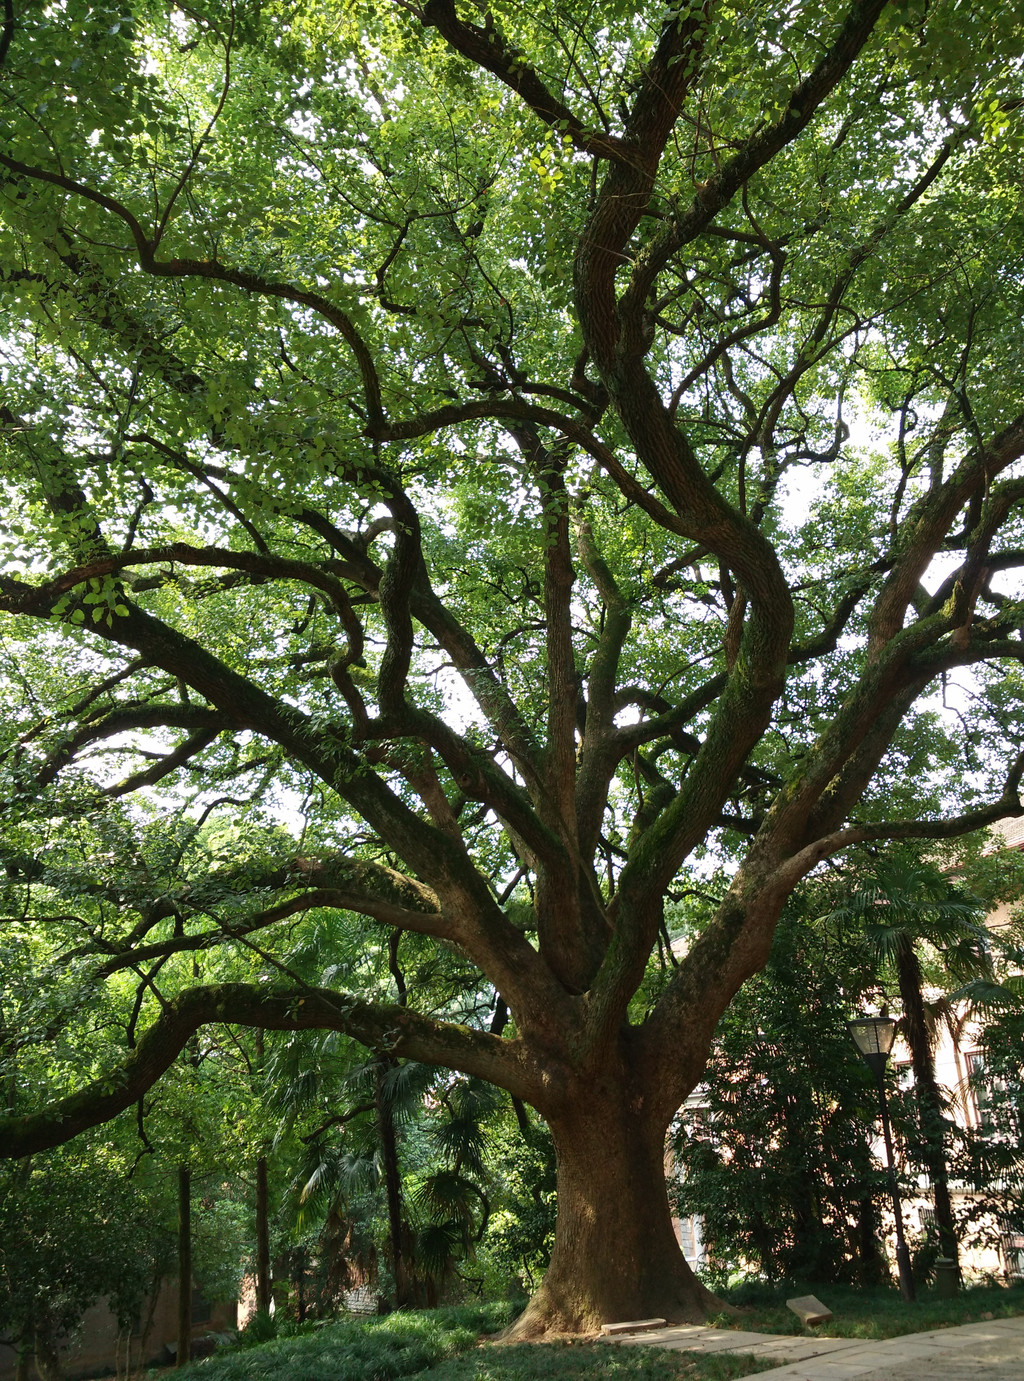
x: 736, y: 943
x: 487, y: 48
x: 431, y: 853
x: 244, y: 705
x: 993, y: 562
x: 395, y: 590
x: 928, y: 524
x: 6, y: 31
x: 477, y: 775
x: 514, y: 410
x: 396, y: 1030
x: 254, y: 563
x: 1008, y: 807
x: 615, y: 333
x: 668, y: 721
x: 562, y: 689
x: 600, y: 751
x: 400, y: 896
x: 205, y: 723
x: 758, y: 151
x: 898, y: 670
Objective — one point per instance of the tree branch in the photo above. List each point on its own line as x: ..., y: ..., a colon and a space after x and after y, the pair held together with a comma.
x: 180, y: 268
x: 487, y: 48
x: 395, y: 1030
x: 326, y: 898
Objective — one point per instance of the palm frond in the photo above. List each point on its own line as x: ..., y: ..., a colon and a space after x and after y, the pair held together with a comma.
x: 986, y: 995
x: 438, y: 1246
x: 446, y: 1194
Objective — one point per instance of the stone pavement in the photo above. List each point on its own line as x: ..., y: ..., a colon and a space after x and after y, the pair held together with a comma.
x: 972, y: 1352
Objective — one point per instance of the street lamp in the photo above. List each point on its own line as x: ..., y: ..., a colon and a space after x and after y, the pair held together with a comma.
x: 874, y: 1037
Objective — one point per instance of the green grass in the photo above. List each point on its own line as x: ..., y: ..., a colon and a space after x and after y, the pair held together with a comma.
x: 591, y: 1362
x: 441, y: 1344
x: 378, y: 1349
x: 868, y: 1313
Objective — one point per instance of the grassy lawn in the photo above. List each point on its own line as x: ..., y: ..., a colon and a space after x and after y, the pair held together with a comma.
x: 590, y: 1362
x: 375, y: 1349
x: 869, y: 1313
x: 442, y: 1345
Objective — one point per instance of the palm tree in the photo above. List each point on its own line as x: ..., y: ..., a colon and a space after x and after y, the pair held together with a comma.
x: 379, y: 1107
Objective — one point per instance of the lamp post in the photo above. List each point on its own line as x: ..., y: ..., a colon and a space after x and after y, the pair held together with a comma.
x: 874, y: 1037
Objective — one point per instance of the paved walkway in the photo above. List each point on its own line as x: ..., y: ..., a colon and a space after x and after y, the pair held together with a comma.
x: 973, y: 1352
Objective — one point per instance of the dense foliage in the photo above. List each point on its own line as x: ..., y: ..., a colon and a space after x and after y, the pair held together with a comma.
x: 75, y: 1230
x: 364, y: 1350
x: 474, y: 476
x: 778, y: 1150
x: 383, y: 1154
x: 992, y: 1162
x: 776, y: 1158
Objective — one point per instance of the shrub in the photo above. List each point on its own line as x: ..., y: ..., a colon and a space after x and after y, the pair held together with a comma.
x: 376, y: 1349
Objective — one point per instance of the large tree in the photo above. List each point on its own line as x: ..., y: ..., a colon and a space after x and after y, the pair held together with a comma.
x: 558, y: 447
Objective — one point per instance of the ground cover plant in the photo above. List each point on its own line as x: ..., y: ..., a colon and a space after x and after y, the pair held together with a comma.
x: 593, y: 1362
x: 525, y: 483
x: 452, y: 1344
x: 373, y: 1349
x: 872, y: 1313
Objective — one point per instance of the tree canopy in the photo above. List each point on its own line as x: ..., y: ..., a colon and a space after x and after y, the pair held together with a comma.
x: 535, y: 470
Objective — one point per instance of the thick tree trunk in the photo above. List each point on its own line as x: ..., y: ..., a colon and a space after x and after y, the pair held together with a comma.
x: 616, y: 1256
x: 264, y: 1294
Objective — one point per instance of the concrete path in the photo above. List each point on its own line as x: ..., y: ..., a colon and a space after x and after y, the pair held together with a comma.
x: 973, y: 1352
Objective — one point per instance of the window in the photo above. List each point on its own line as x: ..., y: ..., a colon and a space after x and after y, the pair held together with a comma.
x: 690, y: 1238
x: 980, y: 1090
x: 904, y: 1074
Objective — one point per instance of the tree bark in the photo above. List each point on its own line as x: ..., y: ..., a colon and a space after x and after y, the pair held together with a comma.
x: 263, y: 1294
x: 871, y: 1269
x: 927, y: 1095
x: 616, y: 1256
x: 263, y: 1279
x: 393, y: 1189
x: 184, y: 1266
x: 47, y: 1351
